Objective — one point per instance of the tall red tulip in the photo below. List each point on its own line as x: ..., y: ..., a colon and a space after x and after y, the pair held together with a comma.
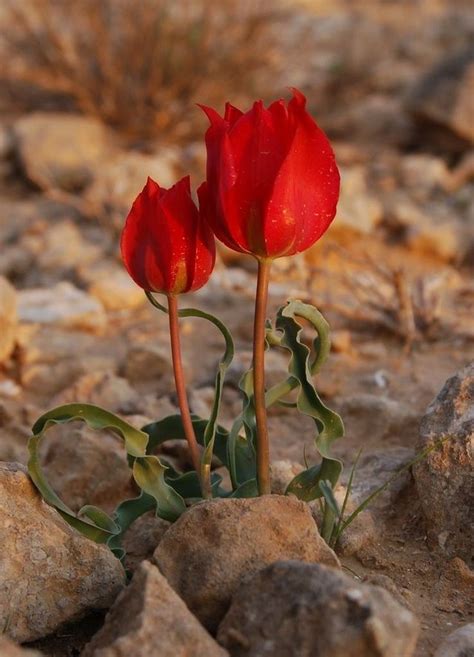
x: 272, y: 181
x: 271, y: 190
x: 166, y: 245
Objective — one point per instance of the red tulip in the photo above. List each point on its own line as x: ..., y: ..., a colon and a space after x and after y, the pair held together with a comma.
x: 272, y: 180
x: 166, y: 245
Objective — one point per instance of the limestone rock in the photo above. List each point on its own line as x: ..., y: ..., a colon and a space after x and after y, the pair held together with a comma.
x: 357, y: 209
x: 459, y: 643
x: 60, y: 150
x: 50, y: 574
x: 63, y: 305
x: 148, y: 619
x: 227, y: 540
x: 142, y: 539
x: 444, y: 478
x: 281, y: 473
x: 8, y: 318
x: 293, y: 608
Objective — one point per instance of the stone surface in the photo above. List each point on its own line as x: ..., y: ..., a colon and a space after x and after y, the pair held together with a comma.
x: 102, y: 389
x: 281, y: 473
x: 64, y: 305
x: 50, y: 574
x: 120, y: 180
x: 8, y: 318
x: 142, y: 539
x: 357, y: 209
x: 87, y: 467
x: 459, y: 643
x: 292, y: 608
x: 150, y: 362
x: 60, y: 150
x: 114, y: 288
x: 444, y: 479
x: 10, y: 649
x: 227, y: 540
x: 148, y: 619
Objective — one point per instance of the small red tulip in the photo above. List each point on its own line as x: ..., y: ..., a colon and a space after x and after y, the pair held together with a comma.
x: 166, y: 245
x: 272, y: 181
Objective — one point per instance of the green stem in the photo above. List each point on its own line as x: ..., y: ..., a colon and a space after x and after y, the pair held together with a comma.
x: 263, y: 448
x: 181, y: 392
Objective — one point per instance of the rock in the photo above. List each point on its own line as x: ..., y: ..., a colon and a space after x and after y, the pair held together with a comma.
x: 227, y: 540
x: 423, y: 175
x: 113, y: 287
x: 10, y: 649
x: 150, y: 363
x: 281, y: 473
x: 276, y: 367
x: 120, y: 180
x: 374, y: 469
x: 85, y: 466
x: 142, y: 539
x: 8, y: 318
x: 459, y: 643
x: 453, y: 590
x: 60, y: 247
x: 357, y: 536
x: 50, y: 574
x: 444, y: 477
x: 148, y: 619
x: 357, y: 209
x: 60, y: 150
x: 63, y: 305
x: 378, y: 418
x: 52, y: 358
x: 102, y: 389
x: 442, y: 100
x: 293, y: 608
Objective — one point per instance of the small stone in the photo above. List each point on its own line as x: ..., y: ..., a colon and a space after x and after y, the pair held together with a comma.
x: 459, y: 643
x: 119, y: 181
x: 292, y: 608
x: 444, y: 477
x: 281, y: 473
x: 358, y: 535
x: 10, y: 649
x: 114, y: 288
x: 148, y: 619
x: 357, y: 209
x: 102, y: 389
x: 227, y: 540
x: 63, y: 305
x: 148, y: 362
x: 73, y: 576
x: 453, y: 590
x: 60, y: 150
x: 142, y: 538
x: 85, y: 466
x: 379, y: 418
x: 8, y: 318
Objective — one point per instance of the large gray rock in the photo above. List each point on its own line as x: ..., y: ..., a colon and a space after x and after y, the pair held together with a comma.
x: 60, y: 150
x: 148, y: 619
x: 8, y: 318
x: 211, y: 548
x: 49, y: 573
x: 458, y: 644
x: 444, y: 479
x: 292, y: 608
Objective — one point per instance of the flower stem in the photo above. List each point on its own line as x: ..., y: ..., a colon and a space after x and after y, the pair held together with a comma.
x: 263, y: 449
x: 181, y: 390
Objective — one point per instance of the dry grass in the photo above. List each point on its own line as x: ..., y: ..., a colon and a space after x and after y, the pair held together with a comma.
x: 137, y: 64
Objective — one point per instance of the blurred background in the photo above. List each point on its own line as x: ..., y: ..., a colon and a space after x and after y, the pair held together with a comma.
x: 98, y: 94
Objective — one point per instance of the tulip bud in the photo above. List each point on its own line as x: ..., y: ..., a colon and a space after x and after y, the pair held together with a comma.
x: 166, y: 245
x: 272, y: 181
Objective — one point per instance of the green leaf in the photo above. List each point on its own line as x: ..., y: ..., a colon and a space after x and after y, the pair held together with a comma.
x: 189, y: 487
x: 149, y: 473
x: 247, y: 489
x: 95, y: 525
x: 125, y: 515
x: 301, y: 366
x: 241, y: 450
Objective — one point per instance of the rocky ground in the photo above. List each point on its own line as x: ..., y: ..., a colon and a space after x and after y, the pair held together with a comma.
x: 393, y: 276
